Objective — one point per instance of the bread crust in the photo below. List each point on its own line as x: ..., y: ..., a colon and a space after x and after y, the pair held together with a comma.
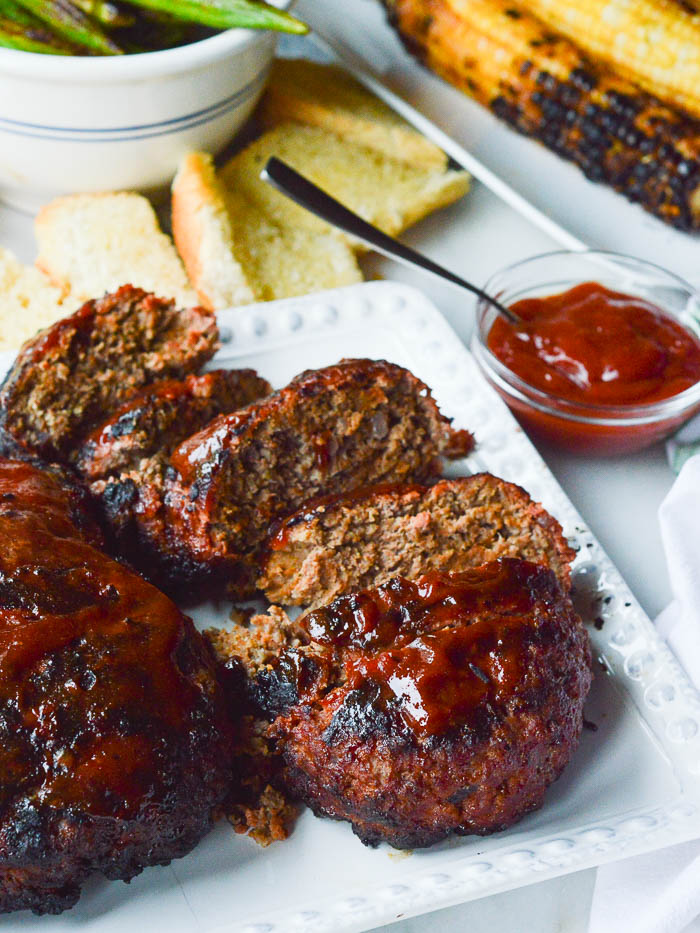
x: 329, y: 97
x: 198, y: 213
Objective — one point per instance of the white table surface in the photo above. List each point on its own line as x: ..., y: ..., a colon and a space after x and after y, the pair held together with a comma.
x: 618, y: 497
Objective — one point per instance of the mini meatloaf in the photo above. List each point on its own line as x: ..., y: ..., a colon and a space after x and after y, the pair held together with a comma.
x: 444, y: 705
x: 363, y: 538
x: 125, y: 459
x: 116, y: 739
x: 72, y: 374
x: 328, y: 431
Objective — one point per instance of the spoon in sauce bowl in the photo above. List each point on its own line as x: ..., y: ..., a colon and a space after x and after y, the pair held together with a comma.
x: 308, y: 195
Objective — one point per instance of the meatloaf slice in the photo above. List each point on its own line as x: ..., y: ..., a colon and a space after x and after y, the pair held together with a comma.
x: 68, y: 377
x: 363, y: 538
x: 156, y: 419
x: 125, y: 459
x: 329, y: 430
x: 115, y: 735
x: 444, y: 705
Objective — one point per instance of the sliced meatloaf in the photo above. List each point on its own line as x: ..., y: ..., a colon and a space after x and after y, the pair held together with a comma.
x: 153, y: 421
x: 82, y: 368
x: 363, y: 538
x: 329, y: 430
x: 444, y: 705
x: 125, y: 459
x: 116, y: 741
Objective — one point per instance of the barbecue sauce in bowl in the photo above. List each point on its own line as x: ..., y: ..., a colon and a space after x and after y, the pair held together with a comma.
x: 594, y: 356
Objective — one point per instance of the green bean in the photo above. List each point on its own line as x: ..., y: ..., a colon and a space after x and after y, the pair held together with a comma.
x: 227, y: 14
x: 72, y: 24
x: 15, y: 36
x: 10, y: 10
x: 106, y: 13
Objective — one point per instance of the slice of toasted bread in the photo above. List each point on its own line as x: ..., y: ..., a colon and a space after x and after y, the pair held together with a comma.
x: 235, y: 253
x: 90, y: 244
x: 28, y: 302
x: 390, y: 194
x: 203, y: 233
x: 330, y: 98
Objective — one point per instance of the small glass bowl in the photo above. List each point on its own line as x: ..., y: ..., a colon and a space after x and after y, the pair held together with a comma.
x: 583, y: 428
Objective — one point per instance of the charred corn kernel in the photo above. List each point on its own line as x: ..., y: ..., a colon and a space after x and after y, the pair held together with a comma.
x: 544, y: 86
x: 655, y: 43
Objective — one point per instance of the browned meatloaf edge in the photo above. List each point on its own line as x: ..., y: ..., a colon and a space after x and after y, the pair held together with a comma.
x: 362, y: 538
x: 125, y: 460
x: 329, y: 430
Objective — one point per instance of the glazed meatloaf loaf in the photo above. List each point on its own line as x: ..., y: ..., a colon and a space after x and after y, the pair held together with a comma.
x: 363, y: 538
x: 329, y: 430
x: 72, y: 374
x: 125, y: 459
x: 116, y: 739
x: 444, y: 705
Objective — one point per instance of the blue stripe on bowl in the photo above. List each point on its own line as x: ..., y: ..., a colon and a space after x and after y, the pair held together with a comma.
x: 131, y: 133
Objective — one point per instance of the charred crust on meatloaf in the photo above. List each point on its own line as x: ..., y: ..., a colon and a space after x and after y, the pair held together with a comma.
x: 404, y: 764
x: 125, y: 460
x: 115, y: 735
x: 156, y: 419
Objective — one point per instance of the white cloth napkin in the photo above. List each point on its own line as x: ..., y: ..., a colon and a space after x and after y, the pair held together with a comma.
x: 660, y: 892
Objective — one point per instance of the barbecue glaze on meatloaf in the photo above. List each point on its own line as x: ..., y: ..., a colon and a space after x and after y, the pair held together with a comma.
x: 360, y: 539
x: 329, y: 430
x: 153, y: 421
x: 115, y: 740
x: 444, y: 705
x: 74, y: 373
x: 125, y: 459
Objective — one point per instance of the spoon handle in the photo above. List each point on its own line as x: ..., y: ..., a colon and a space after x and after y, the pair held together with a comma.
x: 308, y: 195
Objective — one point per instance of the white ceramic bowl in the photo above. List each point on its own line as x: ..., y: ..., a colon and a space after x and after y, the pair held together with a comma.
x: 71, y: 125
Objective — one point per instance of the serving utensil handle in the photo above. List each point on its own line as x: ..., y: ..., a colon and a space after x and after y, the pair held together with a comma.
x: 308, y: 195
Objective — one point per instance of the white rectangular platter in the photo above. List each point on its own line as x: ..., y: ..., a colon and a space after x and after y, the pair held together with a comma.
x: 632, y: 786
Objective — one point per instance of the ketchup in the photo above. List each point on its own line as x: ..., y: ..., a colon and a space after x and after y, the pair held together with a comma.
x: 596, y: 347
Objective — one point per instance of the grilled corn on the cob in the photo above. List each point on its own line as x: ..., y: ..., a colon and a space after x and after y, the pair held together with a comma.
x: 654, y: 43
x: 545, y: 87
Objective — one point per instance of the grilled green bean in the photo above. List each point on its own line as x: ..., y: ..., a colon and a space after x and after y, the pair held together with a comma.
x: 70, y: 23
x: 227, y: 14
x: 10, y: 10
x: 25, y: 39
x: 103, y: 27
